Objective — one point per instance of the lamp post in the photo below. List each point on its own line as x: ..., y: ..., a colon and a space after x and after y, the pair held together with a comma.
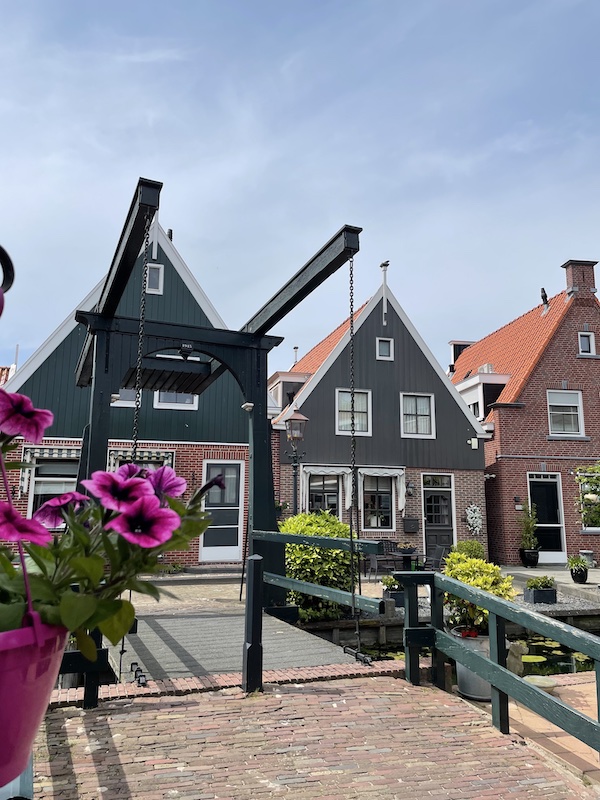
x: 294, y: 428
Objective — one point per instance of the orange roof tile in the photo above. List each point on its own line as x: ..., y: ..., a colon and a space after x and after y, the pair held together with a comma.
x: 311, y: 362
x: 514, y: 349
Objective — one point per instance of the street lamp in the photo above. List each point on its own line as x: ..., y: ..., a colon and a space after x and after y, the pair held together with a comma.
x: 294, y: 428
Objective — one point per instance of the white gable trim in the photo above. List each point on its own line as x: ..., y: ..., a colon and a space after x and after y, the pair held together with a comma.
x: 56, y: 338
x: 187, y: 277
x: 313, y: 381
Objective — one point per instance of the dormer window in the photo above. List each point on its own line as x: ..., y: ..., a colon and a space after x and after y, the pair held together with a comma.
x: 587, y: 344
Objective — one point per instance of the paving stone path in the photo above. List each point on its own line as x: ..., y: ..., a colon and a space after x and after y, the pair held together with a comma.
x: 352, y: 738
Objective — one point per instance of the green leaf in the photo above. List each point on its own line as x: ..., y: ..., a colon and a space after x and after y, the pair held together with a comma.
x: 86, y: 645
x: 50, y: 614
x: 76, y: 609
x: 143, y: 587
x: 115, y: 627
x: 91, y: 566
x: 42, y: 589
x: 105, y: 609
x: 110, y: 551
x: 6, y: 565
x: 11, y: 615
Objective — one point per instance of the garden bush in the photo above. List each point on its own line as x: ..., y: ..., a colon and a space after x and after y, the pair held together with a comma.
x: 316, y: 564
x: 469, y: 547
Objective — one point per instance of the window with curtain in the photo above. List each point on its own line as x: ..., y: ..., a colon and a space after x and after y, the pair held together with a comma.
x: 323, y: 493
x: 418, y: 415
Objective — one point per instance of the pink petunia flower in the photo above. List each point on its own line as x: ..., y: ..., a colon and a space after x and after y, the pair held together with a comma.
x: 14, y: 527
x: 49, y: 514
x: 146, y: 523
x: 18, y: 417
x: 129, y: 470
x: 115, y: 492
x: 166, y: 482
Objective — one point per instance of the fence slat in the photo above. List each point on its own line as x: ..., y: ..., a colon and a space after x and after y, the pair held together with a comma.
x: 323, y: 592
x: 327, y: 542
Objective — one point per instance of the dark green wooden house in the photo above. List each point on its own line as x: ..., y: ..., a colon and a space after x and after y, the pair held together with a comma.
x: 199, y: 435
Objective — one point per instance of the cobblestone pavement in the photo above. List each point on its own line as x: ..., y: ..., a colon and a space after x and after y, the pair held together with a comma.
x: 360, y: 738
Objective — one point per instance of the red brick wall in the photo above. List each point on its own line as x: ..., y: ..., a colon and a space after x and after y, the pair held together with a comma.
x: 188, y: 463
x: 521, y: 444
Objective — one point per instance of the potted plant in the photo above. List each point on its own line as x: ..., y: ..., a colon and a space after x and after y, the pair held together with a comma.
x: 470, y: 622
x: 540, y: 590
x: 579, y: 568
x: 529, y: 552
x: 75, y: 559
x: 407, y: 548
x: 392, y: 590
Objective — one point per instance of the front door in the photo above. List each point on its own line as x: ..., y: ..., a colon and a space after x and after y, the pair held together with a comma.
x: 437, y: 512
x: 222, y: 541
x: 544, y: 494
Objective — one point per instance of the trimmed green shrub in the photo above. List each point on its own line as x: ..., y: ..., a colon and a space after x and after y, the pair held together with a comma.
x: 482, y: 575
x: 469, y: 547
x: 317, y: 564
x: 543, y: 582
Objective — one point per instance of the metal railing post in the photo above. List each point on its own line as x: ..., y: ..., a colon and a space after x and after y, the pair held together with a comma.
x: 436, y: 599
x: 497, y: 632
x: 411, y: 620
x: 252, y: 658
x: 91, y: 680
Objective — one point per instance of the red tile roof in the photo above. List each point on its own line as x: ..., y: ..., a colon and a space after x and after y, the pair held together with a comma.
x: 311, y: 362
x: 514, y: 349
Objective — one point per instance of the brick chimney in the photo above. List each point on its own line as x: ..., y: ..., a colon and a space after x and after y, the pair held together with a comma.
x: 580, y: 278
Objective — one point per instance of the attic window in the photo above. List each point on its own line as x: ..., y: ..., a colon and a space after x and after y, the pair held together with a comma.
x: 155, y: 279
x: 587, y: 344
x: 385, y: 349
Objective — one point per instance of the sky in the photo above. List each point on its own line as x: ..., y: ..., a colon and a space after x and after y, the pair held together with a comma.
x: 461, y: 135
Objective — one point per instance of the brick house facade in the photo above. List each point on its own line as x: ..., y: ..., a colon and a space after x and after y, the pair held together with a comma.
x: 535, y: 385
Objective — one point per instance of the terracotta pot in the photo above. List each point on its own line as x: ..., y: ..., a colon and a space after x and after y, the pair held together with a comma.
x: 30, y: 659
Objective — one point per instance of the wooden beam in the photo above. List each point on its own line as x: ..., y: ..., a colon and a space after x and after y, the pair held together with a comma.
x: 370, y: 604
x: 145, y: 201
x: 327, y: 542
x: 339, y: 249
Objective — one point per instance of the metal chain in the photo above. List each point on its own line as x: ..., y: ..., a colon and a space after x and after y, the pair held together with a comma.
x: 140, y: 347
x: 353, y: 512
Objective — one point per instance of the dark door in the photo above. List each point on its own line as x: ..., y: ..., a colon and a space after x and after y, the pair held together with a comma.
x: 439, y: 529
x: 544, y: 495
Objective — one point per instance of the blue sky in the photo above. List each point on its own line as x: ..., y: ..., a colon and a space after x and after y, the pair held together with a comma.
x: 461, y: 135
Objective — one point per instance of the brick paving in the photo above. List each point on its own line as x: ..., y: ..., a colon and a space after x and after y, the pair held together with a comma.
x: 367, y: 737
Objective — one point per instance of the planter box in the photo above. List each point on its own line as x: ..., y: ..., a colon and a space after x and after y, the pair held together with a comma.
x: 397, y: 596
x: 539, y: 595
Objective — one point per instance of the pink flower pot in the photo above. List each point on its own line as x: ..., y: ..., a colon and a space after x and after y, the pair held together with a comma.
x: 30, y: 659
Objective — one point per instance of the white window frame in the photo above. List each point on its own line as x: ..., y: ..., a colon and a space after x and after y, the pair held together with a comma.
x: 369, y: 431
x: 378, y: 354
x: 53, y: 481
x: 161, y: 277
x: 580, y: 434
x: 406, y: 435
x: 123, y: 403
x: 586, y: 489
x: 587, y: 335
x: 175, y: 406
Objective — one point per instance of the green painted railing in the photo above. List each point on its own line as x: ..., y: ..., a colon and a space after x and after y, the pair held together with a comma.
x: 504, y: 683
x: 327, y: 542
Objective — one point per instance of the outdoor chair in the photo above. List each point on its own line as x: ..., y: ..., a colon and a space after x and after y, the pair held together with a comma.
x: 434, y: 563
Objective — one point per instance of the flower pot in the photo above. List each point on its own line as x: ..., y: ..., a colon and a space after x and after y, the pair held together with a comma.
x: 397, y: 595
x: 29, y: 666
x: 471, y: 685
x: 529, y: 558
x: 539, y: 595
x: 579, y: 575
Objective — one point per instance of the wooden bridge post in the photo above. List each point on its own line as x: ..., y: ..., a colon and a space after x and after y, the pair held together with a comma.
x: 252, y: 659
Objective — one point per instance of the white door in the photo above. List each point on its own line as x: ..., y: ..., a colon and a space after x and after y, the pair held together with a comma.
x: 223, y: 540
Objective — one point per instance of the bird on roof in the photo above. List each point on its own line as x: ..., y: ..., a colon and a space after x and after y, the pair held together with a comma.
x: 544, y: 297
